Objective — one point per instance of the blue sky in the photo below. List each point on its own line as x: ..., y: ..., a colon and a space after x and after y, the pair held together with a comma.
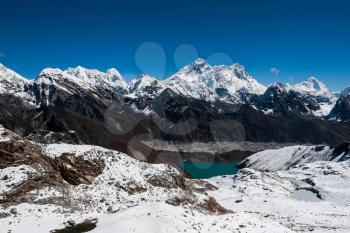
x: 297, y: 38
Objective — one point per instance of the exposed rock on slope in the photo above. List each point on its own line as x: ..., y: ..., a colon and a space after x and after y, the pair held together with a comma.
x: 310, y: 98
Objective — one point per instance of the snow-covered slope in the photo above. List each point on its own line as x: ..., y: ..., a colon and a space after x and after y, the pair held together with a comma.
x: 231, y: 84
x: 12, y: 83
x: 94, y: 77
x: 309, y: 198
x: 287, y: 157
x: 61, y: 185
x: 314, y: 87
x: 88, y: 79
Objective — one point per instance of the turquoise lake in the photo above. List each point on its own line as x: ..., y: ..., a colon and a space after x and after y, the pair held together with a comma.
x: 205, y: 170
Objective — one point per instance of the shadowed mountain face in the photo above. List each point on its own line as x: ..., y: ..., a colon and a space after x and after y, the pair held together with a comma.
x: 225, y: 122
x: 174, y: 118
x: 341, y: 110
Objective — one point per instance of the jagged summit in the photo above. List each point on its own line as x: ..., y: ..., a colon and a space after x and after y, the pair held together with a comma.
x: 314, y: 87
x: 191, y: 72
x: 115, y: 75
x: 213, y: 83
x: 200, y: 61
x: 11, y: 75
x: 200, y: 80
x: 48, y: 71
x: 111, y: 74
x: 145, y: 86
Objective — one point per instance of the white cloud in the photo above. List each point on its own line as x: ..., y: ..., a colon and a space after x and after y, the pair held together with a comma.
x: 274, y: 70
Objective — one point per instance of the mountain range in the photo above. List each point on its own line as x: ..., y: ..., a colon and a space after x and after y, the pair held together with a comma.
x: 198, y: 103
x: 226, y: 84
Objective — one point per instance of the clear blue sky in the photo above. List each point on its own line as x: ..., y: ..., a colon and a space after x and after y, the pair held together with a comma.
x: 299, y: 37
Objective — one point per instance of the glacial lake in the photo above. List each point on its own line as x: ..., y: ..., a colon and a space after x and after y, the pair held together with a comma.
x: 205, y: 170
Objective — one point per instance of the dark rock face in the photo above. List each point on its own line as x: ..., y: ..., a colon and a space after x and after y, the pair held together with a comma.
x: 341, y: 110
x: 198, y: 120
x: 341, y: 152
x: 286, y: 103
x: 54, y: 172
x: 77, y: 170
x: 49, y: 137
x: 85, y: 226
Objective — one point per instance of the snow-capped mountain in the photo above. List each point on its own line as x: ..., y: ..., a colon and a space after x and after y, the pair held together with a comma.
x: 226, y: 84
x: 233, y: 84
x: 310, y: 98
x: 94, y: 77
x: 145, y: 86
x: 214, y: 83
x: 55, y: 86
x: 313, y: 86
x: 279, y: 99
x: 14, y: 84
x: 230, y: 84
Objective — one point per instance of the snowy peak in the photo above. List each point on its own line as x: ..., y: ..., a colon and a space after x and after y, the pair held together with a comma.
x: 214, y: 83
x: 145, y: 86
x: 191, y: 72
x: 310, y: 97
x: 50, y: 71
x: 112, y: 75
x: 12, y: 83
x: 86, y: 78
x: 199, y: 66
x: 240, y: 71
x: 314, y: 87
x: 142, y: 81
x: 11, y: 76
